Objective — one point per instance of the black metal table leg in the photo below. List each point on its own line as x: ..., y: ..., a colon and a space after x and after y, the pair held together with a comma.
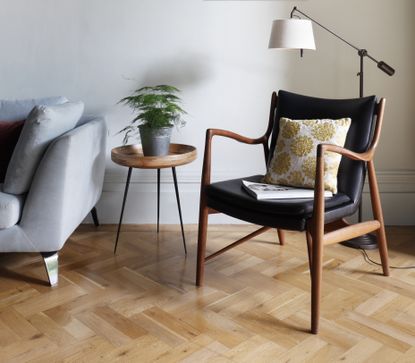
x: 95, y: 216
x: 127, y: 184
x: 176, y: 188
x: 158, y: 200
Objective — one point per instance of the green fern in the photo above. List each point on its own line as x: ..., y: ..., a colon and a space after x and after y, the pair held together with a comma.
x: 156, y: 107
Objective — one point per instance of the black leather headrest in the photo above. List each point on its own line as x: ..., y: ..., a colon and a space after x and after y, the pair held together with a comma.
x: 360, y: 110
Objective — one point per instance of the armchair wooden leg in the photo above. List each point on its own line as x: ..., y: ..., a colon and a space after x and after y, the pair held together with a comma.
x: 383, y: 249
x: 316, y: 277
x: 281, y: 236
x: 378, y: 215
x: 309, y: 249
x: 201, y: 243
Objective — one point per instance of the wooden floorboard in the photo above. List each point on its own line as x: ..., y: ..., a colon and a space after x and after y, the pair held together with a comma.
x: 142, y: 305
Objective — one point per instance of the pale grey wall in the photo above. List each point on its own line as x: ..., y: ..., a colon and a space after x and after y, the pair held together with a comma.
x: 216, y: 52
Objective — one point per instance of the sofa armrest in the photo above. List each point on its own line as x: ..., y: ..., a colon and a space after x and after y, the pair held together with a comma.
x: 67, y: 184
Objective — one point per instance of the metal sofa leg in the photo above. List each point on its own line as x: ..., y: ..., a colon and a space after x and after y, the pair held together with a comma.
x: 95, y: 216
x: 51, y: 264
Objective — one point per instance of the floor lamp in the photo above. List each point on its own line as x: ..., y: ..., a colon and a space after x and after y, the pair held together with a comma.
x: 297, y: 33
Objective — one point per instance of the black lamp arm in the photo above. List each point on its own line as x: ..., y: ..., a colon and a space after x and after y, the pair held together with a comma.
x: 362, y: 52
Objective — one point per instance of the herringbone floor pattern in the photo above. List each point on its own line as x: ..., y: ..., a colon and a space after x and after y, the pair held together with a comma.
x: 142, y: 305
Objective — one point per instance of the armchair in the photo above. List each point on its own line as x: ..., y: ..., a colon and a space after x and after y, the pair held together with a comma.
x: 65, y: 187
x: 322, y: 219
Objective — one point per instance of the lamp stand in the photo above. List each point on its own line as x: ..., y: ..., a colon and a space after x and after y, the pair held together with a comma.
x: 366, y: 241
x: 301, y: 37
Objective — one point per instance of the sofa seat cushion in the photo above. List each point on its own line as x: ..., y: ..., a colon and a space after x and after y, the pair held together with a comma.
x: 230, y: 198
x: 11, y: 207
x: 42, y: 126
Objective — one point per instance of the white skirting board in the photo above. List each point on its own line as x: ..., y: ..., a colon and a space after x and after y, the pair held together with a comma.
x: 397, y: 195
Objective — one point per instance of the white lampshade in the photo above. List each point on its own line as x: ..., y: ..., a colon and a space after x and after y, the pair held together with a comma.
x: 292, y: 34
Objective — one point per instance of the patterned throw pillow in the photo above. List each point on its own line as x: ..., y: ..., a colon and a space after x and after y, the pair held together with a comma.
x: 294, y: 159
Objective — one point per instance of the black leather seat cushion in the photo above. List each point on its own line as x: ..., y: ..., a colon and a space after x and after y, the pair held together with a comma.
x: 230, y: 198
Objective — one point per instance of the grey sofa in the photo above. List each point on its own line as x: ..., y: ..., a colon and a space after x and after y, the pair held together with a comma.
x: 64, y: 188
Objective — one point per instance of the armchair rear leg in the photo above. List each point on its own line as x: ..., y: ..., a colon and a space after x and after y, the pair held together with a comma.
x: 51, y: 262
x: 378, y: 215
x: 201, y: 243
x: 383, y: 249
x: 281, y: 236
x: 316, y: 277
x: 309, y: 249
x: 94, y: 215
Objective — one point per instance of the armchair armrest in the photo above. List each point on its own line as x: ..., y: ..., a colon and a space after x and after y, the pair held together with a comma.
x: 235, y: 136
x: 367, y: 156
x: 319, y: 205
x: 67, y: 184
x: 206, y: 171
x: 207, y: 156
x: 207, y: 159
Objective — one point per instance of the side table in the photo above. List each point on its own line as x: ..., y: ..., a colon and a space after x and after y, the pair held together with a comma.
x: 132, y: 156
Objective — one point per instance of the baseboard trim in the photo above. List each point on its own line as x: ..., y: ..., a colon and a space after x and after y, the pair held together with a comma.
x: 389, y: 181
x: 397, y: 190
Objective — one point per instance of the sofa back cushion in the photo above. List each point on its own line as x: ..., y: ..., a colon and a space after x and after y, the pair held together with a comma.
x: 42, y: 126
x: 9, y: 135
x: 19, y: 109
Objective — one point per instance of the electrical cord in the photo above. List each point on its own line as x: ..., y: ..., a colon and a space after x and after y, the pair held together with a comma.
x: 370, y: 261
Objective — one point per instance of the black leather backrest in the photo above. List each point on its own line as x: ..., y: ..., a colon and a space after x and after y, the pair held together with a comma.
x: 361, y: 110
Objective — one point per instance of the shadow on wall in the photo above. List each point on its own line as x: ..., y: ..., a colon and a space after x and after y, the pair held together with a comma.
x: 185, y: 71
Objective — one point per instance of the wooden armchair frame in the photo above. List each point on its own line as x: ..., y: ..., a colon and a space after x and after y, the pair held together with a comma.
x: 318, y: 234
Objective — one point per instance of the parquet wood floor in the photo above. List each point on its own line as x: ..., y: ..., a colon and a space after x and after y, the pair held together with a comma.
x: 142, y: 305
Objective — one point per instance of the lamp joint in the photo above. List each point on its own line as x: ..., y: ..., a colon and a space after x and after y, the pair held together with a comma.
x: 293, y: 11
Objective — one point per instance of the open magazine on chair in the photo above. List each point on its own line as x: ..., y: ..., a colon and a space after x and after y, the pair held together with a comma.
x: 263, y: 191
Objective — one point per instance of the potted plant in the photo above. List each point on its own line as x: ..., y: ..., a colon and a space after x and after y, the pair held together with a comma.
x: 158, y: 110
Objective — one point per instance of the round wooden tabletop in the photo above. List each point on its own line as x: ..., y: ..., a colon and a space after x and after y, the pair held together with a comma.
x: 132, y: 156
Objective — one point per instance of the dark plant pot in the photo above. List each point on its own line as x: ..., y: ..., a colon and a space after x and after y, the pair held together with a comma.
x: 155, y: 142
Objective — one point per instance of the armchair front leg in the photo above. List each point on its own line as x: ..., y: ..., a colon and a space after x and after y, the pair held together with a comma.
x: 317, y: 238
x: 201, y: 241
x: 316, y: 242
x: 315, y: 229
x: 204, y: 210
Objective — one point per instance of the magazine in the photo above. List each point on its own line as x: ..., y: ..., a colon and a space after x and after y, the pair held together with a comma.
x: 262, y: 191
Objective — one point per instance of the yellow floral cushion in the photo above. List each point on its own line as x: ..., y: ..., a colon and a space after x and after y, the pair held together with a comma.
x: 294, y: 159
